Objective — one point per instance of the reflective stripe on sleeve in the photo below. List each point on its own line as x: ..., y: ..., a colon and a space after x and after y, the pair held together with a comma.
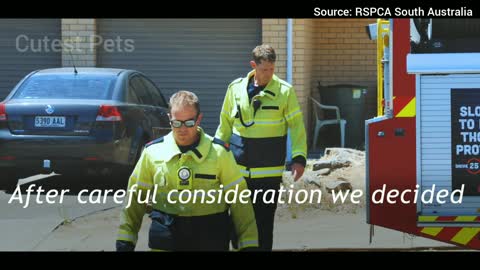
x: 144, y: 185
x: 226, y: 113
x: 233, y: 183
x: 292, y: 114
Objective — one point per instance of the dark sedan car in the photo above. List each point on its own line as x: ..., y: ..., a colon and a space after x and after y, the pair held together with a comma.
x: 85, y: 121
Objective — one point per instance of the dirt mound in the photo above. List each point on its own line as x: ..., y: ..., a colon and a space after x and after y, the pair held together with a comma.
x: 340, y: 169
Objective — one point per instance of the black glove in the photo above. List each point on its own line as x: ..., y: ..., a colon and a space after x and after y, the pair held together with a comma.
x: 300, y: 160
x: 124, y: 246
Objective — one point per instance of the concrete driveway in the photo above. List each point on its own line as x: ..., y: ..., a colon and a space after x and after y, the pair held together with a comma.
x: 24, y: 228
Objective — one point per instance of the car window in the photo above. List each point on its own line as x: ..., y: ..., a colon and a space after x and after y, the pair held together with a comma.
x: 141, y: 91
x: 132, y: 95
x: 157, y: 96
x: 67, y: 86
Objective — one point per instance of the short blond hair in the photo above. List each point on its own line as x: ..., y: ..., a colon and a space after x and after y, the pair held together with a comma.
x: 184, y: 98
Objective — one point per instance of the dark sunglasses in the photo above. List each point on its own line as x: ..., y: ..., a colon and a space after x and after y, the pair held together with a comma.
x: 188, y: 123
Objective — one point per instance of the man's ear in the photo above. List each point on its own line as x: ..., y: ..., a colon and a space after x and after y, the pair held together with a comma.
x: 199, y: 118
x: 253, y: 64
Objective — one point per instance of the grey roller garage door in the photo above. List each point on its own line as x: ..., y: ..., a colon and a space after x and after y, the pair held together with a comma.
x: 26, y: 45
x: 200, y: 55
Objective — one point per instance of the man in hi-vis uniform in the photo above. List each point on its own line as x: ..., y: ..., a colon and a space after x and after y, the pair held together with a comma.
x: 257, y: 112
x: 184, y: 164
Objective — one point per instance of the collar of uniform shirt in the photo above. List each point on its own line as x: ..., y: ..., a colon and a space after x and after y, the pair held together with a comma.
x: 172, y: 149
x: 252, y: 89
x: 192, y: 146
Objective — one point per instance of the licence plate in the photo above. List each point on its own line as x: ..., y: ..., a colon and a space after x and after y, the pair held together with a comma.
x: 49, y: 121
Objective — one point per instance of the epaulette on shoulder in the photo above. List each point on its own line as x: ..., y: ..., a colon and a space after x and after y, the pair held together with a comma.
x: 236, y: 81
x: 159, y: 140
x: 286, y: 84
x: 222, y: 143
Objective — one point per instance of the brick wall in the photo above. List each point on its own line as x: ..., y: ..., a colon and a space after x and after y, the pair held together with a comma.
x: 274, y: 32
x: 343, y: 53
x: 78, y: 36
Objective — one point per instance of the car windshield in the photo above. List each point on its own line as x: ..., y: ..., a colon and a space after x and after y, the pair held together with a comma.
x: 67, y: 86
